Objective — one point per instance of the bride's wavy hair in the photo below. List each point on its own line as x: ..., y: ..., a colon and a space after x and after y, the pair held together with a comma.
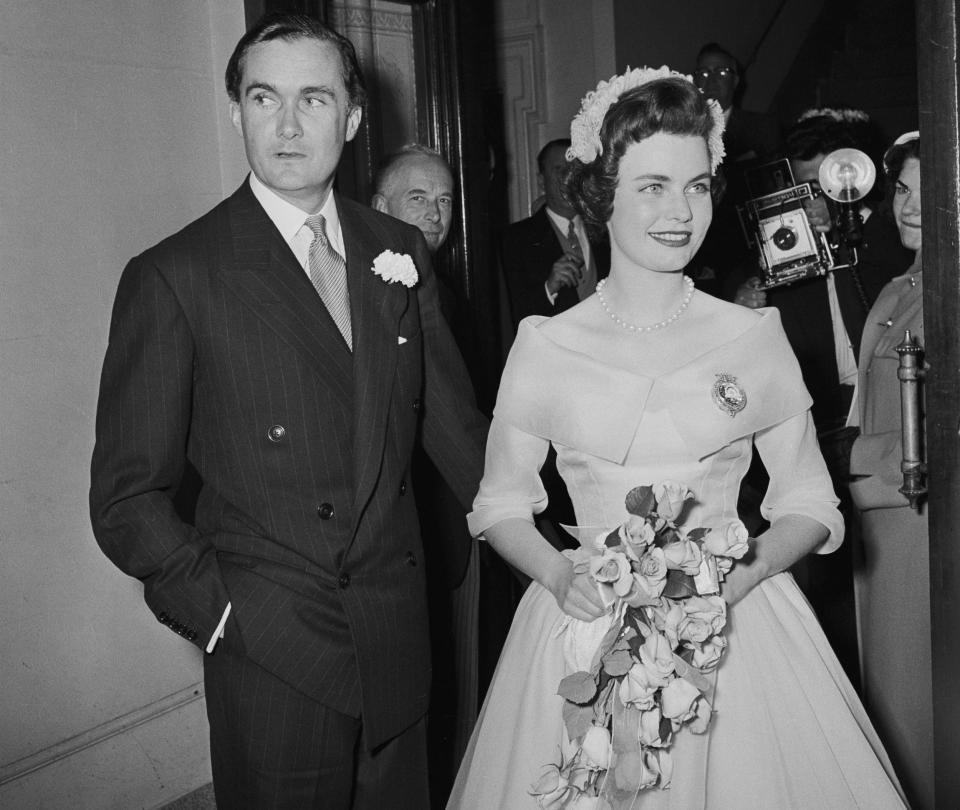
x: 673, y: 106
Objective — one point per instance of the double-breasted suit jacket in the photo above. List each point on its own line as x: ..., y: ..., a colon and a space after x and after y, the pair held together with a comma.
x: 528, y: 249
x: 221, y: 354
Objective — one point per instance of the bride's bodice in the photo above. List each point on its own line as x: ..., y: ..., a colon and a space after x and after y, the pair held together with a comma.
x: 597, y: 487
x: 615, y: 429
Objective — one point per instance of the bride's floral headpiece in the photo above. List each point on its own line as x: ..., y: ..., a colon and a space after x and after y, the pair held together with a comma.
x: 585, y: 143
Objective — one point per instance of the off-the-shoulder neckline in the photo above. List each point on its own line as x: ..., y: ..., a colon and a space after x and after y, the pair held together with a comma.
x: 532, y: 324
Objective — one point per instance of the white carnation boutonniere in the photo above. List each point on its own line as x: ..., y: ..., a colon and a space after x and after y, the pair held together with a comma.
x: 393, y: 267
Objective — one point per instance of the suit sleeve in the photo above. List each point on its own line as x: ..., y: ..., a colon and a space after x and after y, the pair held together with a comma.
x: 142, y: 426
x: 454, y: 430
x: 525, y: 274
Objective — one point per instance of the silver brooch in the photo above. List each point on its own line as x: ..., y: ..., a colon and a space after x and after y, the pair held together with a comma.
x: 729, y: 395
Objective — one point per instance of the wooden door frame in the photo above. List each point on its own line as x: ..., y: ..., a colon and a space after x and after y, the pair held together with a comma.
x: 937, y: 54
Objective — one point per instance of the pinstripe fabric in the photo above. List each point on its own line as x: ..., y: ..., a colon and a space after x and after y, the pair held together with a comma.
x: 218, y: 339
x: 328, y: 274
x: 273, y: 748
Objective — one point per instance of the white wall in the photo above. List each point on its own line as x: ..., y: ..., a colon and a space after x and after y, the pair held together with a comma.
x: 114, y: 135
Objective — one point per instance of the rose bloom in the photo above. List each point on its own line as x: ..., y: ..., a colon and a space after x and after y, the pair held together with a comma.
x: 656, y: 655
x: 637, y: 689
x: 668, y: 622
x: 728, y: 541
x: 683, y: 555
x: 613, y: 567
x: 677, y: 700
x: 596, y: 748
x: 636, y: 534
x: 650, y: 726
x: 670, y: 497
x: 650, y: 580
x: 706, y: 655
x: 703, y: 616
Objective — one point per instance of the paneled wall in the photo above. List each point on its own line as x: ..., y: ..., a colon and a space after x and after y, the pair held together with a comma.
x: 550, y: 53
x: 114, y: 134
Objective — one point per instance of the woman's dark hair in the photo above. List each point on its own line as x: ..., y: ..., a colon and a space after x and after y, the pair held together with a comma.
x: 897, y: 155
x: 672, y: 105
x: 291, y: 27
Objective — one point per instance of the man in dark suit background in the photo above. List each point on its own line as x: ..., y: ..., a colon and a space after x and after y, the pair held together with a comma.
x: 415, y: 185
x: 291, y: 360
x: 549, y: 263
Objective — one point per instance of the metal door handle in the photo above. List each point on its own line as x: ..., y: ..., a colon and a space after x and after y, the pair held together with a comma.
x: 910, y: 372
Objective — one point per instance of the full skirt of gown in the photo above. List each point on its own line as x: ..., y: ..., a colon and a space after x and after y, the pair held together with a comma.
x: 788, y: 731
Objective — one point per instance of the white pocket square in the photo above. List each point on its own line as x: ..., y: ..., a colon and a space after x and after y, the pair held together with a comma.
x: 401, y: 340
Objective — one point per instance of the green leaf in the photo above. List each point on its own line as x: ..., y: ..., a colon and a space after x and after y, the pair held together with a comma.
x: 679, y: 585
x: 698, y: 534
x: 579, y: 688
x: 606, y: 644
x: 640, y: 501
x: 613, y: 539
x: 577, y: 719
x: 617, y: 663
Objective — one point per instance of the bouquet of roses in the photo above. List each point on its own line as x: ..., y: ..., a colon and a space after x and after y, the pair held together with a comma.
x: 648, y: 676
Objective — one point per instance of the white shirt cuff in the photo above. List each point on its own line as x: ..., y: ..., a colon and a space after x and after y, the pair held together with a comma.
x: 551, y: 297
x: 218, y: 633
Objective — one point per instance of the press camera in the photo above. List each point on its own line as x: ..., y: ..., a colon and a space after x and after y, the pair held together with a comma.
x: 775, y: 222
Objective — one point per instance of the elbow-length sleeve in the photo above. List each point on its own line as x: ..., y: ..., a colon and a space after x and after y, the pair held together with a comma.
x: 799, y: 482
x: 511, y: 485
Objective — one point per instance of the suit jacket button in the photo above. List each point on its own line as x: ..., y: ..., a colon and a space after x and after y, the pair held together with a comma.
x: 403, y: 487
x: 411, y: 559
x: 416, y: 404
x: 344, y: 581
x: 325, y: 510
x: 276, y: 433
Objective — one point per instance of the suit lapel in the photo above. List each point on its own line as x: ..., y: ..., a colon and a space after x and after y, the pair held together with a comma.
x: 375, y: 310
x: 261, y: 270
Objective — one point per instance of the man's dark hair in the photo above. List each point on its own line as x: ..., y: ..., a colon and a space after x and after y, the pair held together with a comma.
x: 717, y: 48
x: 673, y: 106
x: 385, y: 167
x: 562, y: 143
x: 819, y: 135
x: 290, y: 27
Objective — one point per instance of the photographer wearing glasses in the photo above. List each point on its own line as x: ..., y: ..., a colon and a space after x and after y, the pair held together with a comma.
x: 750, y: 138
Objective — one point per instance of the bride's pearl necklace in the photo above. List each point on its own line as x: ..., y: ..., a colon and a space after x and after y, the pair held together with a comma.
x: 630, y: 327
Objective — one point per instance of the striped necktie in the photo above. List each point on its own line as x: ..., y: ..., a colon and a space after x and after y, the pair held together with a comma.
x: 328, y: 273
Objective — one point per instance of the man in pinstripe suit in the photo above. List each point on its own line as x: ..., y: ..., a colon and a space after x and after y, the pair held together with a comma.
x: 301, y: 575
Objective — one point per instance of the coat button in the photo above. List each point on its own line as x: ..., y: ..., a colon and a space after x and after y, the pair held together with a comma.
x: 276, y: 433
x: 325, y: 510
x: 416, y: 404
x: 403, y: 487
x: 344, y: 581
x: 411, y: 559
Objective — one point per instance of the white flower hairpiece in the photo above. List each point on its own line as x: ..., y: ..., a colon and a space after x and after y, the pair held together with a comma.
x: 393, y: 267
x: 585, y: 143
x: 845, y: 114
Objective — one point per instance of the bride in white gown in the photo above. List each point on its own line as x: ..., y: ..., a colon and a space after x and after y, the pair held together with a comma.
x: 646, y: 381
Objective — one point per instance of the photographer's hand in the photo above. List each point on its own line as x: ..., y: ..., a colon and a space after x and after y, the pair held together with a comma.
x: 749, y: 296
x: 818, y: 214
